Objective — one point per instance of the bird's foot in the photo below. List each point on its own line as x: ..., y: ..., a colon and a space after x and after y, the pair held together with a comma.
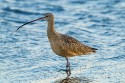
x: 63, y: 70
x: 68, y: 71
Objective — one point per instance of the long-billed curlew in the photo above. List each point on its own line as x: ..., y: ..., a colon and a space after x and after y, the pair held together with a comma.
x: 61, y: 44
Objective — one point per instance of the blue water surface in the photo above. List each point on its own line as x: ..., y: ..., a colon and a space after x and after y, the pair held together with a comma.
x: 26, y: 55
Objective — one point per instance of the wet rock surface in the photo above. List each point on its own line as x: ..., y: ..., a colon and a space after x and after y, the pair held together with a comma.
x: 74, y: 80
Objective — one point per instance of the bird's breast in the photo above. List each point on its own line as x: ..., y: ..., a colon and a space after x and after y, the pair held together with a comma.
x: 61, y: 49
x: 56, y: 47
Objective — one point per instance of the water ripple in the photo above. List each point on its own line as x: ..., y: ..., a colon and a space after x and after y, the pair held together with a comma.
x: 26, y: 55
x: 8, y: 9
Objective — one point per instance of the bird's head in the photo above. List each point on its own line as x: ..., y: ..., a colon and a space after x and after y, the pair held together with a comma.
x: 47, y: 16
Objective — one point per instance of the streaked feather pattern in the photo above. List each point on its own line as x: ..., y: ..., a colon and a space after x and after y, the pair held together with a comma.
x: 64, y: 45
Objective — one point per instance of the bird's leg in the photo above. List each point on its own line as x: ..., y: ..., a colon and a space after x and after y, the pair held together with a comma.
x: 68, y: 70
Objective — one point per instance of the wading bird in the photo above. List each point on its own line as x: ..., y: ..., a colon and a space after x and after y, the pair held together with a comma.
x: 63, y: 45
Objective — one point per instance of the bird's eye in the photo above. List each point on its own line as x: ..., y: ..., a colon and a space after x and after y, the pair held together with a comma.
x: 47, y: 16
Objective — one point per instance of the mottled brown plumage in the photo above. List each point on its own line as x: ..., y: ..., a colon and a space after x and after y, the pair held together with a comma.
x: 63, y: 45
x: 67, y: 46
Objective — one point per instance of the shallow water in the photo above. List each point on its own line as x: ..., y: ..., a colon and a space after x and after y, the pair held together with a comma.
x: 26, y: 56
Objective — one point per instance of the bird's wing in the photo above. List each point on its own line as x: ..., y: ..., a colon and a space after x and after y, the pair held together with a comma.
x: 75, y: 46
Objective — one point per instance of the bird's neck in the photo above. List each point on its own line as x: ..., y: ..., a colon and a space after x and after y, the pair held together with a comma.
x: 51, y: 30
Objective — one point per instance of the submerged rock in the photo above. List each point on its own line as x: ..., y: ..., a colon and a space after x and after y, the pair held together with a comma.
x: 70, y: 80
x: 74, y: 80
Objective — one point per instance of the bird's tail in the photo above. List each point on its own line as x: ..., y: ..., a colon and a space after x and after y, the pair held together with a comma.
x: 94, y: 49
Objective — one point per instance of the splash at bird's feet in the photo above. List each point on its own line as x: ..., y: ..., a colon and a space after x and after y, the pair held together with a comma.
x: 68, y: 72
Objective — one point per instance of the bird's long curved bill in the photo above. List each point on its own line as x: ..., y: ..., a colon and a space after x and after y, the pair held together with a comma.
x: 30, y: 22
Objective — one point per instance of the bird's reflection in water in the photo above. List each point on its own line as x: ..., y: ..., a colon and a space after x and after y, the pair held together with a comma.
x: 74, y: 80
